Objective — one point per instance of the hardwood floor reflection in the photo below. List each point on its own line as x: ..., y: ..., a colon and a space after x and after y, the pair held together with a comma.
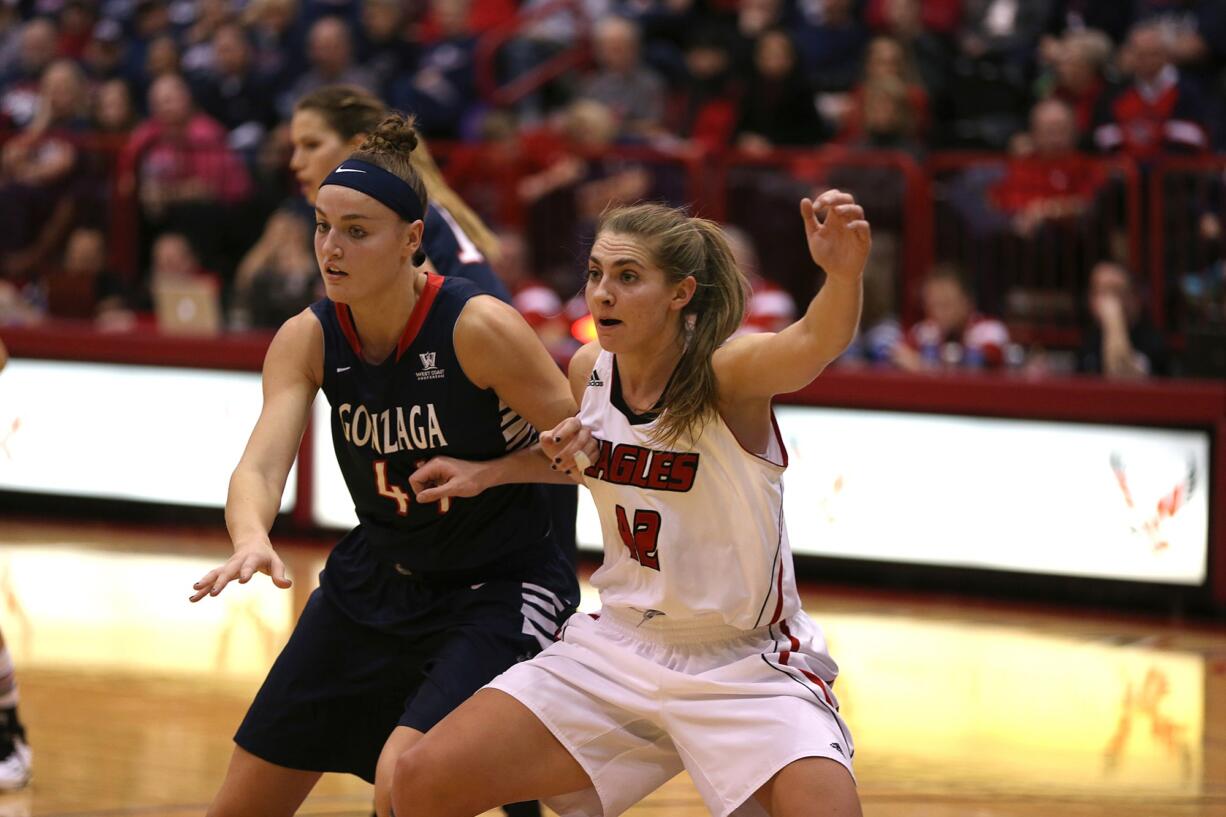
x: 131, y: 694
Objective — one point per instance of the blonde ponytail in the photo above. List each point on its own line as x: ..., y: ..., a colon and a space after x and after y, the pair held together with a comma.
x: 449, y: 200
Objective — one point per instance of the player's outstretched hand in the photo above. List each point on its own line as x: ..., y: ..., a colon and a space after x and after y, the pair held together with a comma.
x: 840, y: 242
x: 444, y: 477
x: 247, y: 560
x: 570, y: 447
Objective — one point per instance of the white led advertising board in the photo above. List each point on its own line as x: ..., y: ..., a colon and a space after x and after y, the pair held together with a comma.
x: 111, y: 431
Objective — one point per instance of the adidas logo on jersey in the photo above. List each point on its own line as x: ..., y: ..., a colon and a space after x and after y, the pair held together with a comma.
x: 594, y: 381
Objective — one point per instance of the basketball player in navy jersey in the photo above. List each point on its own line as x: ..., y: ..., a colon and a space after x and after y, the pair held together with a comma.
x: 420, y: 604
x: 702, y: 658
x: 333, y: 120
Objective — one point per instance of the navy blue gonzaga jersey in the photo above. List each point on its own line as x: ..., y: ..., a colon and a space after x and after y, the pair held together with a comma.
x: 389, y: 417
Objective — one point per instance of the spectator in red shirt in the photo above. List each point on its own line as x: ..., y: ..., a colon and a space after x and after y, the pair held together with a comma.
x: 179, y: 154
x: 1041, y: 196
x: 184, y: 174
x: 952, y: 334
x: 1050, y: 180
x: 1158, y: 112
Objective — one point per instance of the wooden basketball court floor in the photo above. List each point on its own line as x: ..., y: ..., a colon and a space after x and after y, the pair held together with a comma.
x: 959, y: 708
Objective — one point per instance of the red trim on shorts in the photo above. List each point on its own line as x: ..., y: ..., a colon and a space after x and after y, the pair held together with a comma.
x: 783, y: 659
x: 420, y: 310
x: 793, y: 640
x: 345, y: 318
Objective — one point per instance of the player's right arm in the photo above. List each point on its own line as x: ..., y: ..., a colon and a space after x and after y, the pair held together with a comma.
x: 293, y: 372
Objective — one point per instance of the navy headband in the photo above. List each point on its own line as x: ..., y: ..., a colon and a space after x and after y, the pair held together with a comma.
x: 382, y: 186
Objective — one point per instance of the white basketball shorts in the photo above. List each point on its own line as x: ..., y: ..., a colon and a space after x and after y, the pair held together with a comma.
x: 636, y: 701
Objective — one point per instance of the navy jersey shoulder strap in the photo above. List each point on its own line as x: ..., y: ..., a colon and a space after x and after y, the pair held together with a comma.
x: 455, y: 255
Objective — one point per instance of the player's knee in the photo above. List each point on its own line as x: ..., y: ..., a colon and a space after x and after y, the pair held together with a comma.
x: 416, y: 788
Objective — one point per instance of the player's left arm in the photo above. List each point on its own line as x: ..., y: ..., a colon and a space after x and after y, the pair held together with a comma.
x: 759, y: 366
x: 498, y: 350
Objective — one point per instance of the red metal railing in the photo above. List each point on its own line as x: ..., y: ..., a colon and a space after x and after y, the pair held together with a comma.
x: 574, y: 55
x: 1183, y: 193
x: 1160, y: 222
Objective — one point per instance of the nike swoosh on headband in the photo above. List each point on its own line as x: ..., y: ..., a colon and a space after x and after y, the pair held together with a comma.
x: 348, y: 170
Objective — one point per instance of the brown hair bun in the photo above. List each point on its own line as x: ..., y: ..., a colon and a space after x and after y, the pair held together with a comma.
x: 395, y: 134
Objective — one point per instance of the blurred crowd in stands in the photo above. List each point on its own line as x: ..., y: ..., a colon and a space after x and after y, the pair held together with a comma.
x: 1017, y: 157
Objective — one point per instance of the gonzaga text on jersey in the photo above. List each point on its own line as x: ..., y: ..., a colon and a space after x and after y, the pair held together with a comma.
x: 400, y: 429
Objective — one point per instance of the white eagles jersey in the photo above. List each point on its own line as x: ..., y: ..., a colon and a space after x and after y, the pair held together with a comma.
x: 693, y: 535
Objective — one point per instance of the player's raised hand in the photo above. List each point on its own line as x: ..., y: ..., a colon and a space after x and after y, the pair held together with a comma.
x: 840, y: 241
x: 570, y: 448
x: 444, y: 477
x: 248, y: 559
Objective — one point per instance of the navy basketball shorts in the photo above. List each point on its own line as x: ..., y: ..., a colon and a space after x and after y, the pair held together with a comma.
x: 340, y: 687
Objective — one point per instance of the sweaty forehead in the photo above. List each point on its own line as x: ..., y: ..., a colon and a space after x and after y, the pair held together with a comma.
x: 611, y: 248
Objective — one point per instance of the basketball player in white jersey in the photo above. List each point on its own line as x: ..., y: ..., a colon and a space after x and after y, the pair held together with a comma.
x: 701, y: 657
